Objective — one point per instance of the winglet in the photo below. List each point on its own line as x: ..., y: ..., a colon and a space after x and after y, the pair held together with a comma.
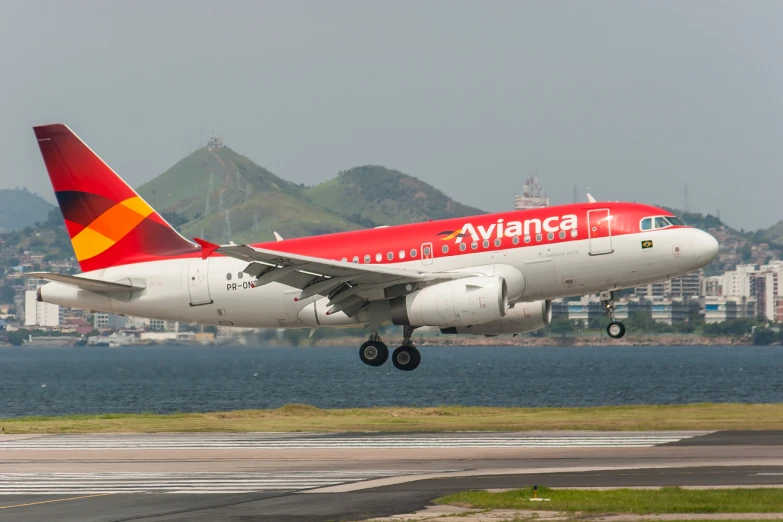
x: 590, y: 198
x: 207, y: 248
x: 278, y: 237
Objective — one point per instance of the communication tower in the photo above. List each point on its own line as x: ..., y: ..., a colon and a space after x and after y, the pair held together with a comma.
x: 532, y: 196
x: 227, y: 228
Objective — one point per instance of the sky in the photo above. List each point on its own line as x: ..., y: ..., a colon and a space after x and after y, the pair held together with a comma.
x: 630, y: 100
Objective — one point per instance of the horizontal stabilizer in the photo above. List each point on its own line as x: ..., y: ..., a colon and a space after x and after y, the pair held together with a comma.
x: 91, y: 285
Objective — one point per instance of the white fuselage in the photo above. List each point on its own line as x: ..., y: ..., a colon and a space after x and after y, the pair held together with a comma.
x: 216, y: 292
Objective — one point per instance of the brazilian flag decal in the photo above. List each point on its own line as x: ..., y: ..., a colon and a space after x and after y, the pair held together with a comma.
x: 646, y: 244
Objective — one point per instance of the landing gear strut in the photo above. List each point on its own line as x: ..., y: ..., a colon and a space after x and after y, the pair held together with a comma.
x: 615, y: 329
x: 374, y: 352
x: 406, y: 357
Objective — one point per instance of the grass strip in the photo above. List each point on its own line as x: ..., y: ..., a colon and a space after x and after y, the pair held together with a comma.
x: 631, y: 501
x: 299, y: 417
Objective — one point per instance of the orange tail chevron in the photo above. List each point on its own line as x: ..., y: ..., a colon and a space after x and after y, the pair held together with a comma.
x: 109, y: 223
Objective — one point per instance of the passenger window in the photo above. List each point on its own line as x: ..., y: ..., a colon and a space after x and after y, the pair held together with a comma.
x: 367, y: 258
x: 660, y: 222
x: 646, y: 223
x: 402, y: 254
x: 474, y: 245
x: 550, y: 236
x: 413, y: 252
x: 355, y: 259
x: 515, y: 240
x: 228, y: 276
x: 562, y: 234
x: 378, y: 258
x: 463, y: 246
x: 539, y: 237
x: 445, y: 249
x: 344, y: 260
x: 527, y: 239
x: 426, y: 251
x: 573, y: 233
x: 390, y: 256
x: 239, y: 275
x: 497, y: 242
x: 485, y: 243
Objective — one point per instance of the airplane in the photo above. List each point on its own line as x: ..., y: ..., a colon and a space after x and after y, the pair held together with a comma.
x: 488, y: 274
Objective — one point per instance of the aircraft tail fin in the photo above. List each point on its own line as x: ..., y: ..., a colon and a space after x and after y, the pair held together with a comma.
x: 108, y: 222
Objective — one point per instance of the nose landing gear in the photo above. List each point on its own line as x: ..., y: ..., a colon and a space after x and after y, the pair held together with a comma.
x: 615, y: 329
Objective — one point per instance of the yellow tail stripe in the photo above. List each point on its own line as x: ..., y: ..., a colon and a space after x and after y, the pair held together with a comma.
x: 89, y: 243
x: 110, y: 227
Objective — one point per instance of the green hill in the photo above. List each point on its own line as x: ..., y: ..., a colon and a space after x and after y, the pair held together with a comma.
x: 258, y: 202
x: 774, y: 234
x: 374, y: 195
x: 20, y: 208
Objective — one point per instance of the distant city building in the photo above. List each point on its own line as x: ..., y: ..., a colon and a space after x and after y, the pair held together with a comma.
x: 40, y: 314
x: 764, y: 285
x: 719, y: 309
x: 532, y: 196
x: 689, y: 285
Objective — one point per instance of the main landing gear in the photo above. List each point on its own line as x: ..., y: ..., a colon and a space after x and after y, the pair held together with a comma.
x: 406, y: 358
x: 615, y: 329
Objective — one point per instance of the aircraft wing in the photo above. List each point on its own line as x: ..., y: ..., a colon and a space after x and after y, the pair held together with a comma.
x: 91, y: 285
x: 341, y: 281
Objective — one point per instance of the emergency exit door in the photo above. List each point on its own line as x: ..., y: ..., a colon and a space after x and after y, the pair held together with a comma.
x: 198, y: 282
x: 427, y: 253
x: 599, y: 223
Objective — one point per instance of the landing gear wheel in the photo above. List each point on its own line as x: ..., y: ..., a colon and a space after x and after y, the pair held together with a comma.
x: 616, y: 329
x: 406, y: 358
x: 373, y: 353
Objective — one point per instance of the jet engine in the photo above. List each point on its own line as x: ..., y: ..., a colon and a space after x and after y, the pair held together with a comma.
x: 462, y: 302
x: 524, y: 317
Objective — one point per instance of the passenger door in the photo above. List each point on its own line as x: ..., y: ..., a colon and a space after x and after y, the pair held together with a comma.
x: 198, y: 282
x: 599, y: 228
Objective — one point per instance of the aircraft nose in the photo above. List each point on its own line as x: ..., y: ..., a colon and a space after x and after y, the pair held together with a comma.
x: 704, y: 246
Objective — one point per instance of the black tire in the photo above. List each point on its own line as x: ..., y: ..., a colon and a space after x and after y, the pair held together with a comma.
x: 615, y: 329
x: 373, y: 353
x: 406, y: 358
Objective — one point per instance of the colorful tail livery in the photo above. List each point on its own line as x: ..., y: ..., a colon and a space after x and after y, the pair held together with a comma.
x: 109, y: 223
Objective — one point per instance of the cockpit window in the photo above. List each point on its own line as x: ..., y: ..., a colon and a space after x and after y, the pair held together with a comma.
x: 660, y: 222
x: 652, y: 223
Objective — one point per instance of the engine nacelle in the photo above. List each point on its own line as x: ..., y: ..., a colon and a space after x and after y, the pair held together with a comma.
x: 524, y: 317
x: 472, y: 300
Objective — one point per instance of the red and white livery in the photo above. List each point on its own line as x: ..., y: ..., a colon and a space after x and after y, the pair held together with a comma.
x: 487, y: 274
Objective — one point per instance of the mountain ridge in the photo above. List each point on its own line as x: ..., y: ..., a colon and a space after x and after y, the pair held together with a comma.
x: 248, y: 202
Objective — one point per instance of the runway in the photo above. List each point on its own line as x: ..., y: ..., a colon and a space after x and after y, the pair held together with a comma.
x: 167, y: 477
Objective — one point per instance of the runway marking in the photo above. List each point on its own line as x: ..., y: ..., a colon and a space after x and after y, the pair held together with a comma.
x: 183, y: 482
x: 264, y: 441
x: 55, y: 500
